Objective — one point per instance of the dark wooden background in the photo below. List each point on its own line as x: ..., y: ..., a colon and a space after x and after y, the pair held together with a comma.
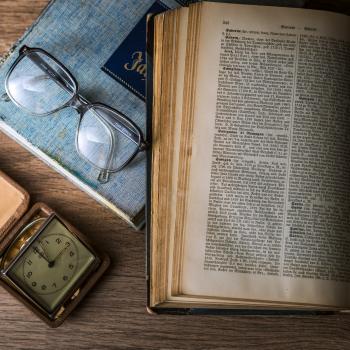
x: 113, y: 316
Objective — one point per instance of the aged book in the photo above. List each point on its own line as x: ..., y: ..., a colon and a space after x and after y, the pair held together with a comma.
x: 84, y: 36
x: 250, y: 165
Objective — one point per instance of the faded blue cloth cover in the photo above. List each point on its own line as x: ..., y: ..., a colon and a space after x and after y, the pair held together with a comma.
x: 83, y: 34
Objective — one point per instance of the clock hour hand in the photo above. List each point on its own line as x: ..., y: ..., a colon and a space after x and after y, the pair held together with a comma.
x: 44, y: 251
x: 41, y: 254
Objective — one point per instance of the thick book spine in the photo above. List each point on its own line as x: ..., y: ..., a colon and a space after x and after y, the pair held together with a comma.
x: 149, y: 111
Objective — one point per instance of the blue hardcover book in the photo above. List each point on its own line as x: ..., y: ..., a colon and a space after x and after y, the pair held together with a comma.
x: 90, y: 38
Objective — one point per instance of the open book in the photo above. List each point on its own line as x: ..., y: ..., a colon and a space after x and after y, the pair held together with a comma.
x: 250, y: 196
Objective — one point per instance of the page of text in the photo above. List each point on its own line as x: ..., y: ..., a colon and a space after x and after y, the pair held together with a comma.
x: 269, y: 201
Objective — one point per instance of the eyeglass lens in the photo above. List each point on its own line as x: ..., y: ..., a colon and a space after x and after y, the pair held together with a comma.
x: 38, y: 84
x: 100, y: 141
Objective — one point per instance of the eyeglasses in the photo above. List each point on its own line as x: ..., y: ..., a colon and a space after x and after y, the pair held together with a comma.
x: 40, y: 85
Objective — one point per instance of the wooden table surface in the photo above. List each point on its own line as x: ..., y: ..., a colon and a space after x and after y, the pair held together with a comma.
x: 113, y: 316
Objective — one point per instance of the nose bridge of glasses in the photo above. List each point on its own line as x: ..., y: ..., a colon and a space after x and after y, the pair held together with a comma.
x: 79, y: 103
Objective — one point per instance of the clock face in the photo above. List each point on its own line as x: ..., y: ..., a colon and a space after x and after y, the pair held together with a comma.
x: 50, y: 266
x: 51, y: 263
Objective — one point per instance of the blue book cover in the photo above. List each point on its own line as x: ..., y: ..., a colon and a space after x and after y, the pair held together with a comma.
x: 84, y: 35
x: 128, y: 63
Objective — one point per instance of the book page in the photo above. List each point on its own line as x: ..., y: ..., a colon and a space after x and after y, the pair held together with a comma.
x: 269, y: 190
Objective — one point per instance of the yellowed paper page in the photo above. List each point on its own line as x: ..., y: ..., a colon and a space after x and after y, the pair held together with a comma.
x: 268, y: 204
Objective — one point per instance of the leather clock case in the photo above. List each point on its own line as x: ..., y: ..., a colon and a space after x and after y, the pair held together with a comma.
x: 14, y: 202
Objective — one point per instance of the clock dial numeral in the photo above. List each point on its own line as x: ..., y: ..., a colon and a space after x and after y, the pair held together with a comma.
x: 71, y: 254
x: 54, y: 285
x: 29, y: 274
x: 29, y: 262
x: 58, y: 241
x: 34, y: 284
x: 71, y: 266
x: 43, y: 287
x: 65, y: 278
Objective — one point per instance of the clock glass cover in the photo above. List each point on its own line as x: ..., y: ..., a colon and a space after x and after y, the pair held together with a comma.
x: 51, y: 265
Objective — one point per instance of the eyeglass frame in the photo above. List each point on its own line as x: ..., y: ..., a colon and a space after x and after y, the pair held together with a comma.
x: 81, y: 105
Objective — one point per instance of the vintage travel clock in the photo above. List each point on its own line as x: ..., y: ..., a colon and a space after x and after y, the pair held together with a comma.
x: 44, y: 262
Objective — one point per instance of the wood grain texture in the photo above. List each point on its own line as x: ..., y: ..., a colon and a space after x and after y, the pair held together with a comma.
x: 114, y: 316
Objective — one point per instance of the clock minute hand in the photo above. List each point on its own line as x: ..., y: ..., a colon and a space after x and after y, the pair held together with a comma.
x: 59, y: 254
